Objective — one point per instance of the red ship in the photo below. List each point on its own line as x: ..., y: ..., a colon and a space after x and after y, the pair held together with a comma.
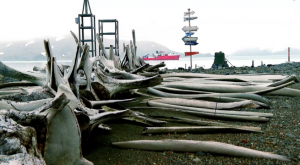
x: 161, y: 55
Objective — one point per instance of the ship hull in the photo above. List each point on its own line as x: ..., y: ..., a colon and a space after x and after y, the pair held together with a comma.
x: 176, y: 57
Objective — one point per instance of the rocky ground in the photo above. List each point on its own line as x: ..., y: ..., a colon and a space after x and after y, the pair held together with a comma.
x: 281, y: 134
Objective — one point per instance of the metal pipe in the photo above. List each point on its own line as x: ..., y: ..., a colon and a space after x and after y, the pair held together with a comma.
x: 85, y: 4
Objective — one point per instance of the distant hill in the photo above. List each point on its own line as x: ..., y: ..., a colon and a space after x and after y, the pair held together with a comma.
x: 28, y: 51
x: 65, y: 49
x: 265, y: 52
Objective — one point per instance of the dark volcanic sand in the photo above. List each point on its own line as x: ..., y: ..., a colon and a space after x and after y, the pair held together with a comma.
x: 281, y: 134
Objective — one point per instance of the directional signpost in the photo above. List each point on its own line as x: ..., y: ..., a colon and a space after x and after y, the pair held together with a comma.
x: 188, y: 40
x: 188, y: 19
x: 189, y: 34
x: 190, y: 53
x: 191, y: 43
x: 189, y: 13
x: 189, y: 28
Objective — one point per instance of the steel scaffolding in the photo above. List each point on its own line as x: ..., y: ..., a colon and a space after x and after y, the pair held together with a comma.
x: 87, y: 13
x: 116, y: 33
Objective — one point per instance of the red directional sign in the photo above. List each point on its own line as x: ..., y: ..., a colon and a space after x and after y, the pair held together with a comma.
x: 190, y: 53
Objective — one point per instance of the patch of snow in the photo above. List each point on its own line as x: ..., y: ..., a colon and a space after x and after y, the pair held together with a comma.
x: 59, y: 38
x: 9, y: 44
x: 29, y: 43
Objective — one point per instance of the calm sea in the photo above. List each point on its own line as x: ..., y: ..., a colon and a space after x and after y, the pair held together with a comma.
x: 205, y: 62
x: 28, y: 65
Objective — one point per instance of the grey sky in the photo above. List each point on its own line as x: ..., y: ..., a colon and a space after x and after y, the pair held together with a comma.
x: 226, y: 25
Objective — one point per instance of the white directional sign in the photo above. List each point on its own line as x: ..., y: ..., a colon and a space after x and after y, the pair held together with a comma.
x: 191, y: 28
x: 189, y: 13
x: 190, y: 39
x: 187, y: 19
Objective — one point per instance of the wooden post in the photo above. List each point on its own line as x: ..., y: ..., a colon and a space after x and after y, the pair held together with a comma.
x: 252, y: 64
x: 289, y: 54
x: 190, y: 45
x: 185, y: 66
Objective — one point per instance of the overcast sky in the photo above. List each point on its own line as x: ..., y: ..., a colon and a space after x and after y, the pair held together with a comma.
x: 224, y: 25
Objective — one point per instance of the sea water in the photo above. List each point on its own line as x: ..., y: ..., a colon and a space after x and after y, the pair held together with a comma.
x: 28, y: 65
x: 205, y: 62
x: 237, y: 61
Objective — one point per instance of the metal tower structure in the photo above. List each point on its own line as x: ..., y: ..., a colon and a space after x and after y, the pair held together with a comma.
x: 115, y: 33
x: 87, y: 13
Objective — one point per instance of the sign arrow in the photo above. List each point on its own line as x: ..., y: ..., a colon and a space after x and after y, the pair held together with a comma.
x: 190, y: 28
x: 191, y: 43
x: 189, y: 34
x: 190, y: 53
x: 187, y: 19
x: 189, y: 13
x: 190, y: 39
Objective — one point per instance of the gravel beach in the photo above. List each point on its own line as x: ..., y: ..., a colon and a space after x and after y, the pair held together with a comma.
x: 281, y: 135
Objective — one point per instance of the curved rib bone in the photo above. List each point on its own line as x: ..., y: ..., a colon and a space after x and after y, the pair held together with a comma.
x: 221, y: 88
x: 6, y: 71
x: 77, y: 42
x: 239, y: 78
x: 248, y: 96
x: 114, y: 85
x: 203, y: 129
x: 155, y: 67
x: 32, y: 95
x: 107, y: 67
x: 207, y: 104
x: 147, y: 74
x: 210, y: 114
x: 266, y: 91
x: 23, y: 106
x: 212, y: 111
x: 195, y: 146
x: 101, y: 46
x: 13, y: 84
x: 190, y: 121
x: 92, y: 104
x: 10, y: 92
x: 178, y: 91
x: 96, y: 120
x: 283, y: 81
x: 49, y: 56
x: 137, y: 116
x: 139, y: 69
x: 86, y: 64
